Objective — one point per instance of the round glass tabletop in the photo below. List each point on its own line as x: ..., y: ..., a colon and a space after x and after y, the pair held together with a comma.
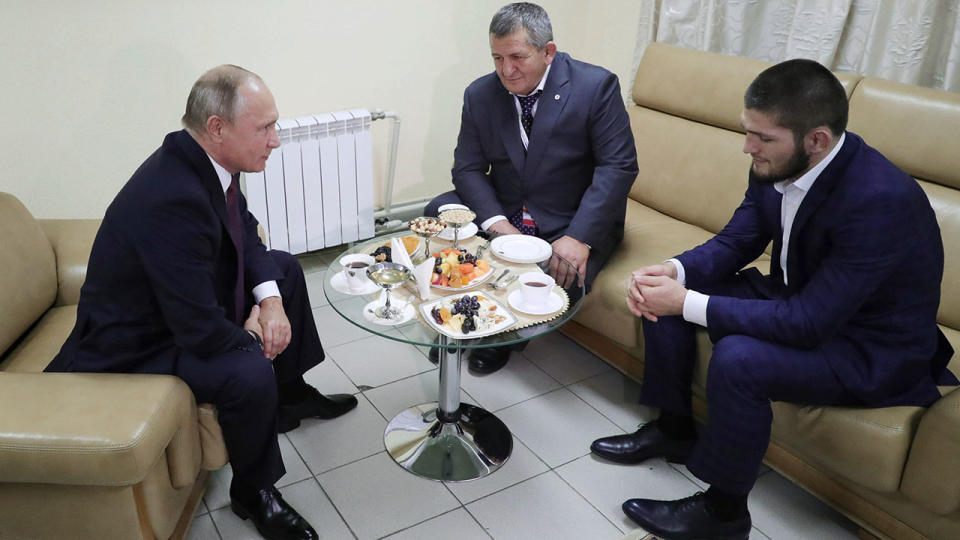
x: 500, y: 286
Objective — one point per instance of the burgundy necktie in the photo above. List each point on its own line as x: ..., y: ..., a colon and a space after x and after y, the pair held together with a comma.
x: 236, y: 232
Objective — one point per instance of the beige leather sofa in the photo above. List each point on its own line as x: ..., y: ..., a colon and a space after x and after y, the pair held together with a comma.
x: 85, y: 455
x: 894, y: 471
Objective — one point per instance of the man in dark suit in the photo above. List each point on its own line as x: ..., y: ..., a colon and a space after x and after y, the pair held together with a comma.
x: 846, y: 317
x: 545, y: 148
x: 179, y: 283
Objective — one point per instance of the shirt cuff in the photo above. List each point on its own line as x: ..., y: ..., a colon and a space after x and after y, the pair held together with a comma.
x: 486, y: 224
x: 695, y: 308
x: 265, y: 290
x: 681, y: 274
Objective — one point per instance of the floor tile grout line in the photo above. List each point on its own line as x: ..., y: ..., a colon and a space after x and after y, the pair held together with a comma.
x: 552, y: 390
x: 477, y: 521
x: 532, y: 361
x: 348, y: 463
x: 408, y: 527
x: 216, y: 528
x: 334, y: 506
x: 594, y: 408
x: 588, y: 501
x: 488, y: 495
x: 504, y: 488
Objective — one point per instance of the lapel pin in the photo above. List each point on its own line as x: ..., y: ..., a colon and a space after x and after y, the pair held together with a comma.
x: 556, y: 97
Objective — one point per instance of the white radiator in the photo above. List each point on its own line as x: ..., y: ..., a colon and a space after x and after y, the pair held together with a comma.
x: 317, y: 188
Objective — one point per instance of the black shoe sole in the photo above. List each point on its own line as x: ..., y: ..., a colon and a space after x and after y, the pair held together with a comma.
x: 629, y: 460
x: 242, y: 514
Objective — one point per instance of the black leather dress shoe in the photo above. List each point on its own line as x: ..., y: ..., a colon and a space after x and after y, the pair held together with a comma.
x: 271, y: 515
x: 686, y: 519
x: 488, y: 360
x: 641, y: 445
x: 314, y: 405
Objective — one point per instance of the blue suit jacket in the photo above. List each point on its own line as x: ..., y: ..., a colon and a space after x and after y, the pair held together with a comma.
x: 162, y: 270
x: 865, y: 265
x: 581, y: 162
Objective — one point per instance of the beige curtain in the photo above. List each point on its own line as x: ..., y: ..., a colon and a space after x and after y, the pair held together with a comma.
x: 911, y: 41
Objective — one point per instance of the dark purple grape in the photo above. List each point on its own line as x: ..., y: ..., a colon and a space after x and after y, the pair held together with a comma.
x: 469, y: 324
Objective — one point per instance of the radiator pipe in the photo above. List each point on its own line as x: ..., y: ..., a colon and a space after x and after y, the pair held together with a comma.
x: 391, y: 157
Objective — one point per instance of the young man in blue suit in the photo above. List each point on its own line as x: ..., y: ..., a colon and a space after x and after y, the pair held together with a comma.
x: 545, y: 148
x: 847, y: 315
x: 179, y: 283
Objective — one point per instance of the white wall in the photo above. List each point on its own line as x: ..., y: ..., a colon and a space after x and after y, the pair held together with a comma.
x: 89, y: 88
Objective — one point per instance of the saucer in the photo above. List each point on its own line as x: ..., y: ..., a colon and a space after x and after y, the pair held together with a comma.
x: 407, y: 312
x: 521, y: 248
x: 554, y: 302
x: 339, y: 283
x: 467, y: 231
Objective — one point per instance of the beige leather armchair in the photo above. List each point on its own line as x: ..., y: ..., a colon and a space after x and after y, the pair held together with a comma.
x: 895, y: 471
x: 85, y: 455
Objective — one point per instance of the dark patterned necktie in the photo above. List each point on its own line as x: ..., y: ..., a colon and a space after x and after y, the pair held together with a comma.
x: 522, y: 220
x: 524, y: 223
x: 526, y: 110
x: 236, y: 232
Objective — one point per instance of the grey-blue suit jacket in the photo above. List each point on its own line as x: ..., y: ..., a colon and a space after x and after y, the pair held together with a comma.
x: 578, y: 169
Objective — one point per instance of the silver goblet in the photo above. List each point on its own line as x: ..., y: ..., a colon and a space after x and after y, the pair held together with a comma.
x: 389, y: 276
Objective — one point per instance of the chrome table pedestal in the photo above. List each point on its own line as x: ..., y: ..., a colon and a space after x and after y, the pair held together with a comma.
x: 448, y: 440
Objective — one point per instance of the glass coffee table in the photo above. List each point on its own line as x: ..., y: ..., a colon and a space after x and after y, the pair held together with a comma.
x: 448, y: 440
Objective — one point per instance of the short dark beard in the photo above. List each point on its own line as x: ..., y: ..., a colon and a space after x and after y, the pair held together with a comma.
x: 798, y: 163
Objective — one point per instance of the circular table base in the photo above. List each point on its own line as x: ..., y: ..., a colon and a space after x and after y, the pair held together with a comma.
x: 473, y: 446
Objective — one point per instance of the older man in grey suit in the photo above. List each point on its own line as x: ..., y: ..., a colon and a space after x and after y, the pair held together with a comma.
x: 545, y: 148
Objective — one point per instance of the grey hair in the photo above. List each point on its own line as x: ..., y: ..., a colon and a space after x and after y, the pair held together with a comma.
x: 216, y: 94
x: 531, y: 17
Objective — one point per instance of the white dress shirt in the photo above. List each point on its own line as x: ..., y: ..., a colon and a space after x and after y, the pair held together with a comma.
x: 523, y: 133
x: 695, y: 303
x: 267, y: 288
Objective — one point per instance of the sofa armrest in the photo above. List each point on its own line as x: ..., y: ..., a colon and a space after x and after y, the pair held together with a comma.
x: 72, y: 240
x: 98, y: 429
x: 932, y: 475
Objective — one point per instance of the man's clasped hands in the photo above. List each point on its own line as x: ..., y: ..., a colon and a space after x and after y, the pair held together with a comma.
x: 653, y: 291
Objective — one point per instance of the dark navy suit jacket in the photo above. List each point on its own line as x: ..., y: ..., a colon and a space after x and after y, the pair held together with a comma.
x: 578, y: 169
x: 865, y: 264
x: 162, y: 271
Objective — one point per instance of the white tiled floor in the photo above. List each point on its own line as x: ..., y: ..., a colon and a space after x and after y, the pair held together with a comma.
x: 555, y: 397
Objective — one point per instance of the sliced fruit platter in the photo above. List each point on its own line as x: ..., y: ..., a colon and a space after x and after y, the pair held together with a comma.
x: 468, y: 316
x: 456, y: 269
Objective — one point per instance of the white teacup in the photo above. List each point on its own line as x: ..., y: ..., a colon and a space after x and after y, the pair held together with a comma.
x: 355, y: 269
x: 535, y: 288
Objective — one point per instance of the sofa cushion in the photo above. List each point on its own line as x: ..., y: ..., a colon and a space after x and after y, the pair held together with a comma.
x: 28, y: 282
x: 693, y: 172
x: 931, y: 475
x: 651, y: 238
x: 695, y: 86
x: 101, y: 429
x: 868, y: 446
x: 946, y: 203
x: 42, y: 342
x: 924, y: 143
x: 72, y: 240
x: 211, y: 438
